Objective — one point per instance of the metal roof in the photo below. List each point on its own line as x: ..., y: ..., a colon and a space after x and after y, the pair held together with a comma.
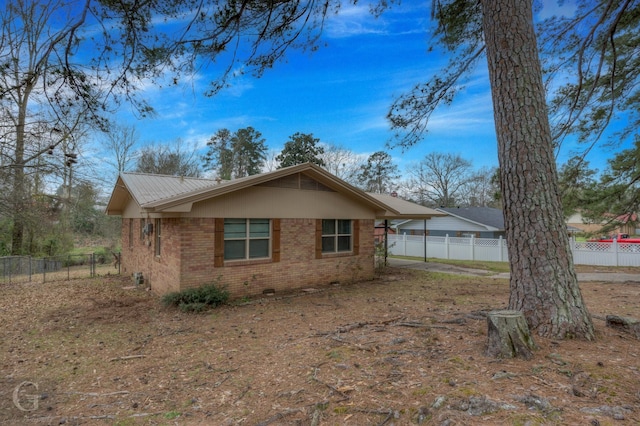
x: 147, y: 188
x: 405, y: 209
x: 158, y: 193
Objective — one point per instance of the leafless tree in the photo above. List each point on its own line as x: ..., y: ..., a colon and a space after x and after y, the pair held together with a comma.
x: 342, y: 162
x: 440, y: 179
x: 120, y: 142
x: 168, y: 159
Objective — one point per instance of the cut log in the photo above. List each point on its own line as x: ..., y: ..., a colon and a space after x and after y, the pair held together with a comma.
x: 626, y: 324
x: 509, y: 335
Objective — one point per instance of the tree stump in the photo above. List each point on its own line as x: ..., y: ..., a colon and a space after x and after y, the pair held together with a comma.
x: 509, y: 335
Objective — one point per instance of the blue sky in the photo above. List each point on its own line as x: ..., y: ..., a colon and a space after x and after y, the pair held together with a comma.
x: 341, y: 94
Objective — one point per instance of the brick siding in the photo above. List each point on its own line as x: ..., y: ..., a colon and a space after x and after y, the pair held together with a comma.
x: 187, y: 259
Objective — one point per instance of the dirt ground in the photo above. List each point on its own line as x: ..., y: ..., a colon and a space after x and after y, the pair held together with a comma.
x: 406, y: 348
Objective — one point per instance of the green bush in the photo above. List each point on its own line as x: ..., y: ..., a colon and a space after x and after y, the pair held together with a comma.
x: 197, y: 299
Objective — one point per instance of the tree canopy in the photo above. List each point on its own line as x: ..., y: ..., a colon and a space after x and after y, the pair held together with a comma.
x: 168, y: 159
x: 614, y: 195
x: 301, y: 148
x: 378, y: 174
x: 595, y: 51
x: 236, y: 155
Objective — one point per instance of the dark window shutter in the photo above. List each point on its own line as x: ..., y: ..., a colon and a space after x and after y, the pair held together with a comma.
x: 356, y: 237
x: 318, y: 238
x: 218, y: 243
x: 275, y: 243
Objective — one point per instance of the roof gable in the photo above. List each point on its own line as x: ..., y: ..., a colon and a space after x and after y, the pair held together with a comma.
x: 148, y: 188
x: 155, y: 193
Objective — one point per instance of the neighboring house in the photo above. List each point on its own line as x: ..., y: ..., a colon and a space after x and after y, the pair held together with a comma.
x: 480, y: 222
x: 295, y: 227
x: 626, y: 224
x: 577, y: 221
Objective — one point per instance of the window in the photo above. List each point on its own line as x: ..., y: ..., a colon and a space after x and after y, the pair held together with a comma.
x: 157, y: 236
x: 130, y: 233
x: 336, y: 235
x: 246, y: 238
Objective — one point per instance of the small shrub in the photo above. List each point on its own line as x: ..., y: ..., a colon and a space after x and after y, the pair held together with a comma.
x: 197, y: 299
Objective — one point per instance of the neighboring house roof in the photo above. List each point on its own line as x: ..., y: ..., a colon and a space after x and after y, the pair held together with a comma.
x: 406, y: 209
x: 627, y: 218
x: 624, y: 218
x: 486, y: 216
x: 573, y: 229
x: 161, y: 193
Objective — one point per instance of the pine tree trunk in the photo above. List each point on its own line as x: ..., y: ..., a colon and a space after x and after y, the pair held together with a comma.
x: 543, y: 280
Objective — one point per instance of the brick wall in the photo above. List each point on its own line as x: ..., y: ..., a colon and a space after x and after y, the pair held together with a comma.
x: 298, y: 267
x: 161, y: 273
x: 186, y: 259
x: 135, y: 253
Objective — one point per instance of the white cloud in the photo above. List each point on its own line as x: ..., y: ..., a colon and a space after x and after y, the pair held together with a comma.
x: 353, y: 20
x: 556, y: 8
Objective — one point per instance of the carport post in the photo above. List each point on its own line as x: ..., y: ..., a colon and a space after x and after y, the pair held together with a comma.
x: 424, y: 236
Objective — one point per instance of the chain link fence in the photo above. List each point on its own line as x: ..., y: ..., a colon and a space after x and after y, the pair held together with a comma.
x: 19, y: 269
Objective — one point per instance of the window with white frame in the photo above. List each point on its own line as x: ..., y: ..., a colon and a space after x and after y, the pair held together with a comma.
x: 247, y: 239
x: 337, y: 235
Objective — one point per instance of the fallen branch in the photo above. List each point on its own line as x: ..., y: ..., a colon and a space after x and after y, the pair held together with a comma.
x: 415, y: 324
x: 123, y: 358
x: 99, y: 394
x: 279, y: 416
x: 246, y: 390
x: 333, y: 388
x: 349, y: 327
x: 389, y: 413
x: 146, y: 414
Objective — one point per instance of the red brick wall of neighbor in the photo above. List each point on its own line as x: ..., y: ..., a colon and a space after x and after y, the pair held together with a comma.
x: 187, y: 259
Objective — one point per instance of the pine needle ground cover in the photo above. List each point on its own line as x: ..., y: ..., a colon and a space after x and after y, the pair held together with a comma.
x: 407, y: 348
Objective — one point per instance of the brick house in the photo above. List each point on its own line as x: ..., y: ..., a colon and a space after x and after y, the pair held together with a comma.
x: 295, y: 227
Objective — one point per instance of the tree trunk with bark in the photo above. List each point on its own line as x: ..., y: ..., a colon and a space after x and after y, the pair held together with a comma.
x: 543, y: 280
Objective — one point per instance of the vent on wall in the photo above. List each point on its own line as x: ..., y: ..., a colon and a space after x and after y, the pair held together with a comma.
x: 148, y: 229
x: 138, y: 278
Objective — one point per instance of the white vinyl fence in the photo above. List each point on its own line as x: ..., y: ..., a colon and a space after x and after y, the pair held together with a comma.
x: 491, y: 249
